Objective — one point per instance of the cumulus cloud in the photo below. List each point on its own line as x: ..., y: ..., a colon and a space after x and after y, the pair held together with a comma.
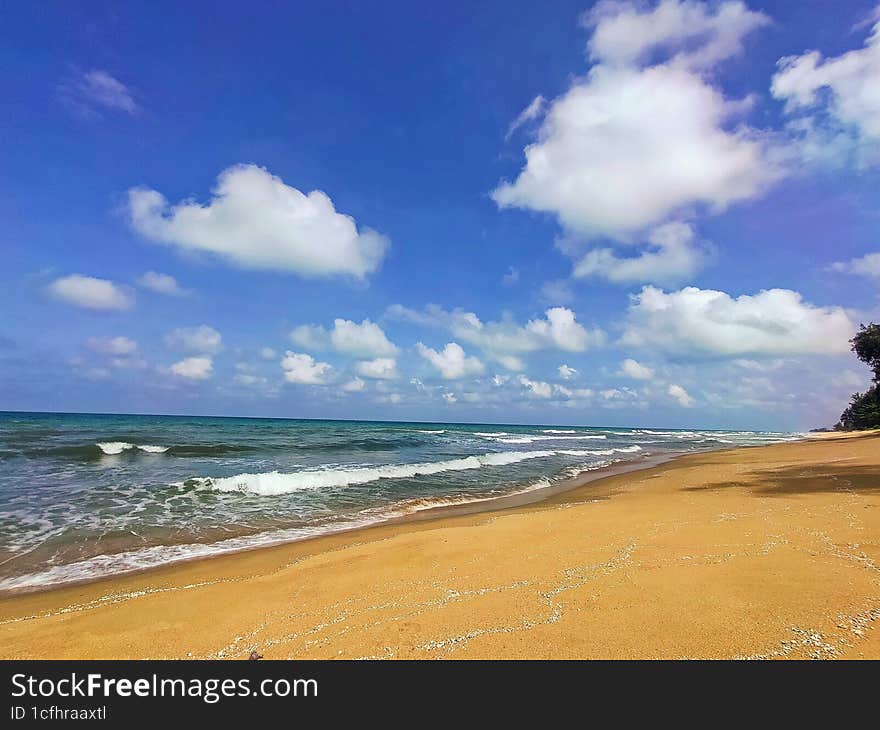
x: 628, y: 146
x: 256, y: 221
x: 202, y: 339
x: 699, y: 34
x: 450, y: 398
x: 91, y: 92
x: 674, y: 257
x: 161, y: 283
x: 88, y: 292
x: 680, y: 395
x: 301, y: 368
x: 558, y: 329
x: 451, y: 362
x: 867, y: 266
x: 355, y: 385
x: 381, y: 368
x: 267, y: 353
x: 836, y: 101
x: 366, y: 339
x: 194, y: 368
x: 772, y: 322
x: 511, y: 362
x: 119, y: 346
x: 536, y: 388
x: 633, y: 369
x: 566, y: 373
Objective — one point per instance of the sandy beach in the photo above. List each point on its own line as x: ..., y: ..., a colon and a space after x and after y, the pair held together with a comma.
x: 762, y: 552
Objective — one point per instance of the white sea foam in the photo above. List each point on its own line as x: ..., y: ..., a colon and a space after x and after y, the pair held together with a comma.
x: 533, y: 439
x: 553, y: 430
x: 273, y: 483
x: 153, y: 556
x: 113, y: 448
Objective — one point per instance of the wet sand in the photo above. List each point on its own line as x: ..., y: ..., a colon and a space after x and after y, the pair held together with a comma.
x: 762, y: 552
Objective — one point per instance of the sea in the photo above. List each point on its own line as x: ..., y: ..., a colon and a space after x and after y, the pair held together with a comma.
x: 84, y: 496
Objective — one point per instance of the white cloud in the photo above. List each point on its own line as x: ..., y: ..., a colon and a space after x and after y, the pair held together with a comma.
x: 511, y: 362
x: 675, y: 258
x: 633, y: 369
x: 534, y: 110
x: 560, y: 328
x: 119, y: 346
x: 202, y: 339
x: 450, y: 398
x: 867, y: 266
x: 536, y: 388
x: 366, y: 339
x: 566, y: 373
x: 355, y: 385
x: 835, y: 98
x: 90, y: 293
x: 311, y: 337
x: 194, y: 368
x: 161, y: 283
x: 557, y: 330
x: 701, y: 34
x: 90, y: 92
x: 301, y: 368
x: 451, y: 362
x: 382, y: 368
x: 267, y: 353
x: 626, y: 147
x: 772, y: 322
x: 256, y: 221
x: 681, y: 395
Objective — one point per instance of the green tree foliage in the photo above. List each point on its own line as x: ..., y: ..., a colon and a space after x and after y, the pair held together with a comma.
x: 863, y: 411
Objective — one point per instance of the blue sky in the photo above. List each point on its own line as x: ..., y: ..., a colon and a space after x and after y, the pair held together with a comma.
x: 617, y: 214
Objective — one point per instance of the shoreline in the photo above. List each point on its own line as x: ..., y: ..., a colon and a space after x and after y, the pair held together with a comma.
x: 283, y: 589
x: 477, y: 505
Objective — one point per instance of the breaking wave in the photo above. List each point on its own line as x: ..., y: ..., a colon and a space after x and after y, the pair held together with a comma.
x: 273, y: 483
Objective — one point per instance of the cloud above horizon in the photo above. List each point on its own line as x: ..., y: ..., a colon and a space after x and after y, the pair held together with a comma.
x: 628, y: 145
x: 708, y: 322
x: 256, y: 221
x: 91, y: 92
x: 835, y: 101
x: 89, y: 292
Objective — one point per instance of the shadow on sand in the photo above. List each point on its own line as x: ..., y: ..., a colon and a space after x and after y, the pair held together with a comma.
x: 792, y: 480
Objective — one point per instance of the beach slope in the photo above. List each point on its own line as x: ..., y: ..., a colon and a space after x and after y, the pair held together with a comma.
x: 765, y: 552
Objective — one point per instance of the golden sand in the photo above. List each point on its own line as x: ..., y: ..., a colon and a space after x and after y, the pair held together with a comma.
x: 768, y: 552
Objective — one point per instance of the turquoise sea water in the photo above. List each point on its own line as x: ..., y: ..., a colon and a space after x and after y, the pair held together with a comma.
x: 83, y: 496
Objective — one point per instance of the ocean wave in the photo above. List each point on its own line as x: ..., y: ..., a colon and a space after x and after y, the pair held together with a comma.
x: 532, y: 439
x: 113, y: 448
x: 274, y: 483
x: 554, y: 430
x: 153, y: 556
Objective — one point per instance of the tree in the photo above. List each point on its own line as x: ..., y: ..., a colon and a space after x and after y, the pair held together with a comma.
x: 866, y: 346
x: 863, y: 411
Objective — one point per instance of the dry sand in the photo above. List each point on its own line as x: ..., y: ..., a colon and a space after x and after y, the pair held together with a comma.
x: 769, y: 552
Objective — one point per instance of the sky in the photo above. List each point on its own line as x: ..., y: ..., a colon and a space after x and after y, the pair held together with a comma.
x: 656, y: 214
